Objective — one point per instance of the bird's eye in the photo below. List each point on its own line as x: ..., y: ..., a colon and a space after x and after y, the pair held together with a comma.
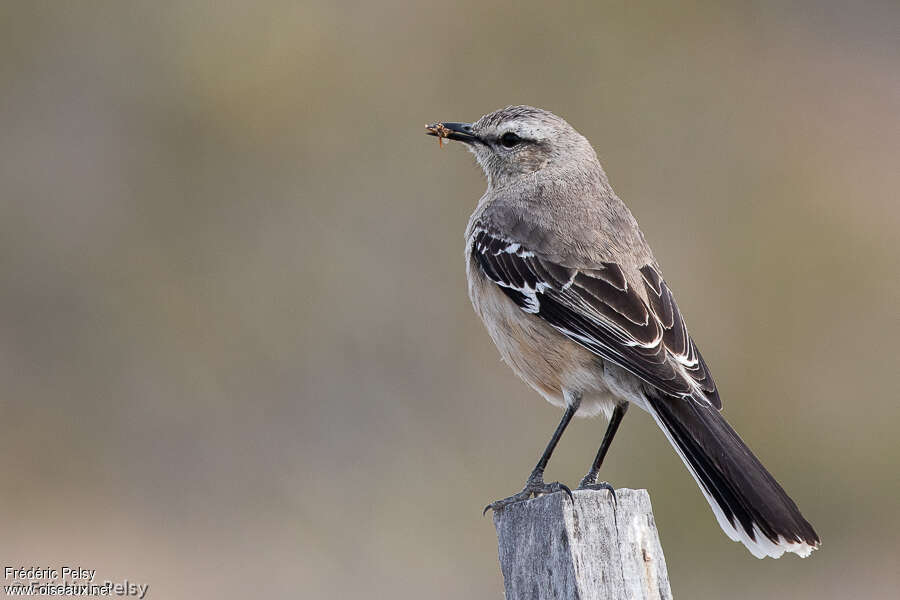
x: 510, y: 140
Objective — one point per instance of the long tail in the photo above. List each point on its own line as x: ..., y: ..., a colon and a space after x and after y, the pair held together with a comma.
x: 749, y: 504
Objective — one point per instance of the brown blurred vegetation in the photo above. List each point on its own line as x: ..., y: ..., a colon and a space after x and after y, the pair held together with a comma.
x: 236, y: 350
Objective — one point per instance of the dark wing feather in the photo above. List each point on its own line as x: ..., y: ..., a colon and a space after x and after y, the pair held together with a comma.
x: 598, y: 309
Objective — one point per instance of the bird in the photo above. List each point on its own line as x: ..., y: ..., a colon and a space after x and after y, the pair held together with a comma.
x: 571, y: 294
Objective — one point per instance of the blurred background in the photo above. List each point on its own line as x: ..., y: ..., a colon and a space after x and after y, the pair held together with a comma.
x: 236, y: 351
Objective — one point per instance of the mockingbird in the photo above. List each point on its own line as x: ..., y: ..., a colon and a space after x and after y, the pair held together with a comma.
x: 573, y: 298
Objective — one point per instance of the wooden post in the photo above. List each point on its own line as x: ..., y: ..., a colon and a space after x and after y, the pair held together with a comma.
x: 598, y: 549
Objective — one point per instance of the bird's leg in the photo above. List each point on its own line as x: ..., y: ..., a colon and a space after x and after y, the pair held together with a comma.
x: 535, y: 485
x: 589, y: 482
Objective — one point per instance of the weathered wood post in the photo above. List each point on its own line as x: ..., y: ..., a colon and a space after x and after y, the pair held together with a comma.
x: 596, y: 549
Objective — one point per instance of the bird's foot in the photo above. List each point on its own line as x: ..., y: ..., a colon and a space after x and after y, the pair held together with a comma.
x: 591, y: 483
x: 535, y: 486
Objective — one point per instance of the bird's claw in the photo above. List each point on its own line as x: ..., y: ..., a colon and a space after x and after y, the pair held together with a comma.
x: 534, y: 487
x: 603, y: 485
x: 568, y: 492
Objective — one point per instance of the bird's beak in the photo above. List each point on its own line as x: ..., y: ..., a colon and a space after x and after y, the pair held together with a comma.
x: 461, y: 132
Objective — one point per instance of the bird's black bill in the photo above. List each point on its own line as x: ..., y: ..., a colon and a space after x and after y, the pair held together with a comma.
x: 461, y: 132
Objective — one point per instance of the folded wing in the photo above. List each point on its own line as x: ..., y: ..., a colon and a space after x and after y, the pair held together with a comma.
x: 599, y: 309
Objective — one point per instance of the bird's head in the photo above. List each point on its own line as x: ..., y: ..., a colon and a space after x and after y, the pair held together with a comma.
x: 517, y: 141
